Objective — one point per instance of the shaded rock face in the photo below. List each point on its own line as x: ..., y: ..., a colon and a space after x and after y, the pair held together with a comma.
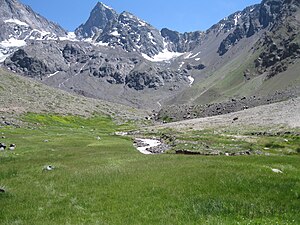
x: 276, y: 57
x: 33, y: 65
x: 281, y: 44
x: 38, y: 62
x: 269, y: 11
x: 101, y: 19
x: 185, y: 42
x: 240, y: 25
x: 139, y: 80
x: 265, y: 16
x: 72, y: 53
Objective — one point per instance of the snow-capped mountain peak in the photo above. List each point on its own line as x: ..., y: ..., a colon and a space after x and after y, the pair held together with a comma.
x: 19, y: 24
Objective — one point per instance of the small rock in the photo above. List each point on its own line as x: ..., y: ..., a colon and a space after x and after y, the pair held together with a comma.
x: 2, y: 146
x: 277, y: 171
x: 49, y: 168
x: 98, y: 138
x: 12, y: 147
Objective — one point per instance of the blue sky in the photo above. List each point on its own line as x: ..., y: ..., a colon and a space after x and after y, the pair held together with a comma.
x: 183, y: 15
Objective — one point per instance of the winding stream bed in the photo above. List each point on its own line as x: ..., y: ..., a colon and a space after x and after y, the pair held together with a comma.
x: 147, y: 144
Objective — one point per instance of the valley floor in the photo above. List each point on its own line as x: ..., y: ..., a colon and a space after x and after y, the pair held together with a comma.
x: 101, y: 178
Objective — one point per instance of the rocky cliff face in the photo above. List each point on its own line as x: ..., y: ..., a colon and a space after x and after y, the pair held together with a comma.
x: 281, y: 44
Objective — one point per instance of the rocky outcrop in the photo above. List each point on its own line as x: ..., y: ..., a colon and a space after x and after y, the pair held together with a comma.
x: 29, y: 65
x: 239, y: 25
x: 38, y: 62
x: 179, y: 42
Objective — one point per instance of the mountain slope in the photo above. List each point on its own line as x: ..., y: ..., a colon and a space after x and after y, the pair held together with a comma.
x: 20, y: 95
x: 121, y: 58
x: 260, y: 47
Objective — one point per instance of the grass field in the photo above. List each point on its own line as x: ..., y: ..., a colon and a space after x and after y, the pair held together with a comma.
x: 108, y: 181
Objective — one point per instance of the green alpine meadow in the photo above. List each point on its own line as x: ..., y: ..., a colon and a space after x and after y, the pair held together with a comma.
x: 98, y: 177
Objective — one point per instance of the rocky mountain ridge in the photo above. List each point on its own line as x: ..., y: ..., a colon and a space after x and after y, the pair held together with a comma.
x: 121, y: 58
x: 106, y: 27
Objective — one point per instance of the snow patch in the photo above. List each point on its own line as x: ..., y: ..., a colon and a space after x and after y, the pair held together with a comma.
x: 236, y: 18
x: 195, y: 55
x: 2, y: 57
x: 115, y: 33
x: 165, y: 55
x: 70, y: 37
x: 106, y: 6
x: 180, y: 66
x: 88, y: 40
x: 91, y: 41
x: 100, y: 43
x: 12, y: 42
x: 188, y: 55
x: 192, y: 79
x: 149, y: 143
x: 221, y: 27
x: 16, y: 21
x: 53, y: 74
x: 151, y: 37
x: 197, y: 59
x: 142, y: 23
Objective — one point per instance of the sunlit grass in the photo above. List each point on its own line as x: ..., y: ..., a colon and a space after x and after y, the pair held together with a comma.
x: 107, y: 181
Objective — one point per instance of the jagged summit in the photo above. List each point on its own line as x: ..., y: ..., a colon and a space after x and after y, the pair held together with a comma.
x: 123, y: 30
x: 101, y: 18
